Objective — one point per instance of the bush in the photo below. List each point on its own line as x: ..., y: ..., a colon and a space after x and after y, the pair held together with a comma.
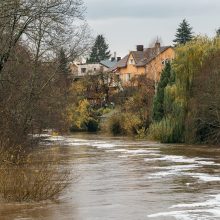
x: 103, y: 111
x: 30, y: 178
x: 115, y: 126
x: 92, y: 125
x: 167, y: 131
x: 124, y: 124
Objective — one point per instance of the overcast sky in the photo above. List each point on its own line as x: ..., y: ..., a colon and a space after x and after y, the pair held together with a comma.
x: 126, y: 23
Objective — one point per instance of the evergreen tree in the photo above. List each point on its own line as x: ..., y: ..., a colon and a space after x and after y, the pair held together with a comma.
x: 100, y: 51
x: 63, y: 62
x: 158, y: 104
x: 218, y: 32
x: 184, y: 33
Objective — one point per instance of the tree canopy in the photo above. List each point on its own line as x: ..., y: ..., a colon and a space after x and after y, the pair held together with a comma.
x: 100, y: 50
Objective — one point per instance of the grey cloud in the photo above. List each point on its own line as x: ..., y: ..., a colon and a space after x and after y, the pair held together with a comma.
x: 100, y: 9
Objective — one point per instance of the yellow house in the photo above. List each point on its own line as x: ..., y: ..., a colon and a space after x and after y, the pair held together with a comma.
x: 149, y: 62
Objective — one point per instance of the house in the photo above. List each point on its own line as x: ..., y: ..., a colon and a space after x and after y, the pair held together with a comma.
x: 149, y: 62
x: 102, y: 82
x: 85, y: 69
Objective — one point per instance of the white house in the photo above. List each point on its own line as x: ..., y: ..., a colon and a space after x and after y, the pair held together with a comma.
x: 81, y: 70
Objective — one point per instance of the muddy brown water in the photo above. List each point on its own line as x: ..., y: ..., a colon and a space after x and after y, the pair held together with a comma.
x: 122, y: 179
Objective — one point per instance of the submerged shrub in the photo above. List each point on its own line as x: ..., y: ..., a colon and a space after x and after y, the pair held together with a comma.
x: 32, y: 179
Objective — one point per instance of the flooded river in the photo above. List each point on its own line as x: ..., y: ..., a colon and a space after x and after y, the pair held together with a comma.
x: 122, y: 179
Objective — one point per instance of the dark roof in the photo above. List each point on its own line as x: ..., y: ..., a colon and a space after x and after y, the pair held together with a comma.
x: 138, y: 55
x: 150, y: 54
x: 108, y: 63
x: 120, y: 64
x: 142, y: 58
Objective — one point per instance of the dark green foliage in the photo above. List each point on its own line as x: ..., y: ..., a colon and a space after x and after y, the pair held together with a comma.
x: 100, y: 51
x: 218, y: 32
x: 63, y: 62
x: 158, y: 104
x: 184, y: 33
x: 92, y: 125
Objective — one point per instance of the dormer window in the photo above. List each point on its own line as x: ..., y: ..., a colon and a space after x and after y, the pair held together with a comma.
x: 131, y: 61
x: 83, y: 70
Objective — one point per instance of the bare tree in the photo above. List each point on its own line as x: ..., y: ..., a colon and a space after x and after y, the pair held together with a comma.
x: 19, y: 18
x: 31, y: 31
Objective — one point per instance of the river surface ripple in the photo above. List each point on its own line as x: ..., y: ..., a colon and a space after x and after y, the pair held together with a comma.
x: 122, y: 179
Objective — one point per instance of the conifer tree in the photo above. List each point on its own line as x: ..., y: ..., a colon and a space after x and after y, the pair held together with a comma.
x: 100, y: 50
x: 218, y: 32
x: 158, y: 104
x: 184, y: 33
x: 63, y: 62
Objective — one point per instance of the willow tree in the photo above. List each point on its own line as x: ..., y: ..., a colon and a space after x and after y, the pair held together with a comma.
x: 203, y: 121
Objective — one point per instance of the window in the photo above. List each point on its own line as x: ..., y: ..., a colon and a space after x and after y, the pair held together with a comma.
x: 131, y: 61
x: 127, y: 77
x: 94, y: 69
x: 83, y: 70
x: 164, y: 62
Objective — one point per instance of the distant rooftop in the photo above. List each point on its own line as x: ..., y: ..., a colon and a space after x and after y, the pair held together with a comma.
x: 108, y: 63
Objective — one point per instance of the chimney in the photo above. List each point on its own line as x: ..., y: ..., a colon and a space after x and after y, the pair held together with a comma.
x: 118, y: 59
x: 157, y: 44
x: 140, y: 48
x: 157, y: 47
x: 115, y: 55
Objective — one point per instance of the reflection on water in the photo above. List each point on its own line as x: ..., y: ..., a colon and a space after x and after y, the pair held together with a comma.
x: 125, y: 179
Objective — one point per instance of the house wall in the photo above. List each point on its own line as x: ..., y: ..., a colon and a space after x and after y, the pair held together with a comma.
x: 130, y: 71
x: 86, y: 69
x: 90, y: 69
x: 155, y: 67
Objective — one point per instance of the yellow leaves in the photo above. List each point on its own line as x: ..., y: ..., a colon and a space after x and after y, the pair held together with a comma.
x: 78, y: 88
x: 131, y: 123
x: 79, y: 114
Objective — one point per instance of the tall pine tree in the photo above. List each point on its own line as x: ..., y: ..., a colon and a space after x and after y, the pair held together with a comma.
x: 100, y: 50
x: 158, y: 104
x: 184, y: 33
